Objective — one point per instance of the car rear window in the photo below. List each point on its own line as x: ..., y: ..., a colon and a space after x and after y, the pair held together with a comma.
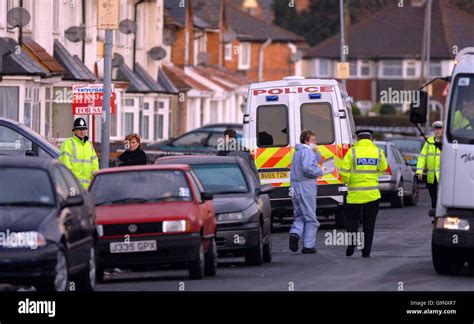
x: 383, y: 147
x: 140, y: 186
x: 317, y: 117
x: 221, y: 178
x: 22, y: 186
x: 272, y: 126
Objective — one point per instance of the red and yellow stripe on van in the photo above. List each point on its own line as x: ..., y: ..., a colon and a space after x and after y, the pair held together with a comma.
x: 279, y: 158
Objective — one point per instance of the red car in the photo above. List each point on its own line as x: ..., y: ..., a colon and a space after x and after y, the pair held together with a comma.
x: 151, y: 215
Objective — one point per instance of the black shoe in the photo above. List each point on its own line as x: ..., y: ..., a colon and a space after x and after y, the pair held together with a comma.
x: 294, y: 238
x: 350, y: 250
x: 308, y: 250
x: 432, y: 213
x: 366, y: 254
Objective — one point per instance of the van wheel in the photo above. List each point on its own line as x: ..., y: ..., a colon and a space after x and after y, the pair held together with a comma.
x: 59, y: 281
x: 446, y: 261
x: 254, y: 256
x: 211, y: 259
x: 339, y: 216
x: 413, y: 199
x: 397, y: 200
x: 86, y: 279
x: 196, y: 267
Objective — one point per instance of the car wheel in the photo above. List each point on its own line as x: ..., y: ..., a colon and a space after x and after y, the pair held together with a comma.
x: 339, y: 217
x: 86, y: 279
x: 60, y: 280
x: 196, y: 267
x: 267, y: 250
x: 413, y: 199
x: 446, y: 261
x: 397, y: 200
x: 211, y: 259
x: 254, y: 256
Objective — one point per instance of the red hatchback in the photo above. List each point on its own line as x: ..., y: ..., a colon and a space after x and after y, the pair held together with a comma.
x: 151, y: 215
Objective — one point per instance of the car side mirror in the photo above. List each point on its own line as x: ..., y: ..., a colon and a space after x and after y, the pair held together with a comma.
x: 265, y: 189
x: 207, y: 196
x: 419, y: 108
x: 72, y: 201
x: 30, y: 153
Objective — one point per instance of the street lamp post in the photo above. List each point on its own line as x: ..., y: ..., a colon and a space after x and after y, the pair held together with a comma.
x: 105, y: 142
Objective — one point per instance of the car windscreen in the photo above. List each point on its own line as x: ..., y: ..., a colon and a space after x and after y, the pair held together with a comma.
x: 140, y: 187
x: 408, y: 145
x: 25, y: 187
x: 461, y: 110
x: 221, y: 178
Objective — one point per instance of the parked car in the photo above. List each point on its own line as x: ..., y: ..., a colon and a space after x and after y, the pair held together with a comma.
x: 47, y: 226
x: 203, y: 140
x: 410, y: 147
x: 152, y: 215
x: 18, y: 140
x: 242, y: 205
x: 398, y: 185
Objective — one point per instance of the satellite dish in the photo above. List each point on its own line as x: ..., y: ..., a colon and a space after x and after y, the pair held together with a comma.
x: 203, y: 58
x: 117, y: 60
x: 75, y: 34
x: 157, y: 53
x: 229, y: 36
x: 169, y: 36
x: 127, y: 26
x: 18, y: 17
x: 295, y: 57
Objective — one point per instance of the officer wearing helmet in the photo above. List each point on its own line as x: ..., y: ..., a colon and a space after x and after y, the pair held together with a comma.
x: 429, y: 159
x: 78, y: 154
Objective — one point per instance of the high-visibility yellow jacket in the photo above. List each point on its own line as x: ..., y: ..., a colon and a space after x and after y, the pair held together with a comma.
x: 360, y: 171
x: 430, y: 158
x: 461, y: 122
x: 80, y: 158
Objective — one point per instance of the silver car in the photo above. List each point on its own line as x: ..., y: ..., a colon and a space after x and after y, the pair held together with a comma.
x: 398, y: 185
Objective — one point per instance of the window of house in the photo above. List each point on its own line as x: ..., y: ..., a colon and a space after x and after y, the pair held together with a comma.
x: 435, y: 69
x: 364, y: 68
x: 318, y: 116
x: 392, y: 68
x: 32, y: 109
x: 272, y: 126
x: 158, y: 120
x: 228, y: 52
x: 410, y: 69
x: 9, y: 102
x: 28, y: 5
x: 324, y: 67
x: 128, y: 123
x: 353, y: 69
x: 244, y: 56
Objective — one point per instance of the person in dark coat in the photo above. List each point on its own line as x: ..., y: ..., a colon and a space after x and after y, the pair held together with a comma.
x: 232, y: 148
x: 133, y: 155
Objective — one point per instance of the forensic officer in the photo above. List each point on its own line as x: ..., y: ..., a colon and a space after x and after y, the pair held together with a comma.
x: 303, y: 176
x: 430, y: 159
x: 360, y: 171
x: 78, y: 154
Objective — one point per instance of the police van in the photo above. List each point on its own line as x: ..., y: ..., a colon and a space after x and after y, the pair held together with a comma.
x: 275, y: 115
x: 453, y: 231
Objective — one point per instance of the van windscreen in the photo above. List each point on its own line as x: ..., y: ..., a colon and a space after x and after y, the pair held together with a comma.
x: 317, y: 117
x: 272, y: 126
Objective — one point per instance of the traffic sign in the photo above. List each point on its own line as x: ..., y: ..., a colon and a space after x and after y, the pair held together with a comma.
x: 343, y: 70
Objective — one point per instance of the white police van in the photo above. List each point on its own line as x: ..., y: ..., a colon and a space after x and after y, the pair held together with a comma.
x: 276, y: 114
x: 453, y: 232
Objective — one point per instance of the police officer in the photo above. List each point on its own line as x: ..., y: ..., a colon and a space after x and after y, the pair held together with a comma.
x: 360, y: 171
x: 78, y: 154
x: 430, y: 159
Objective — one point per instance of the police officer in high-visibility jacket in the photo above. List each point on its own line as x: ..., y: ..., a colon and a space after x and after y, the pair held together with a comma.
x: 360, y: 171
x: 78, y: 154
x: 430, y: 159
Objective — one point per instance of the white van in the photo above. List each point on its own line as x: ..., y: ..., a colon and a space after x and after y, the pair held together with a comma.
x: 453, y: 232
x: 276, y: 113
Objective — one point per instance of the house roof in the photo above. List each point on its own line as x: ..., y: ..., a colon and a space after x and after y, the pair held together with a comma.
x: 222, y: 76
x: 175, y: 11
x: 39, y: 54
x: 18, y: 62
x: 152, y: 84
x: 137, y: 85
x: 166, y: 83
x: 182, y: 81
x: 75, y: 69
x: 208, y: 11
x: 250, y: 28
x: 397, y: 32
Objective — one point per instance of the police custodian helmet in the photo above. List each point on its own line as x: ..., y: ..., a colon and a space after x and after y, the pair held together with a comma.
x: 79, y: 123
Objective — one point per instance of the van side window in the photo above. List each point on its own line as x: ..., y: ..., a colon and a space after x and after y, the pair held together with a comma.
x: 272, y: 126
x: 318, y: 118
